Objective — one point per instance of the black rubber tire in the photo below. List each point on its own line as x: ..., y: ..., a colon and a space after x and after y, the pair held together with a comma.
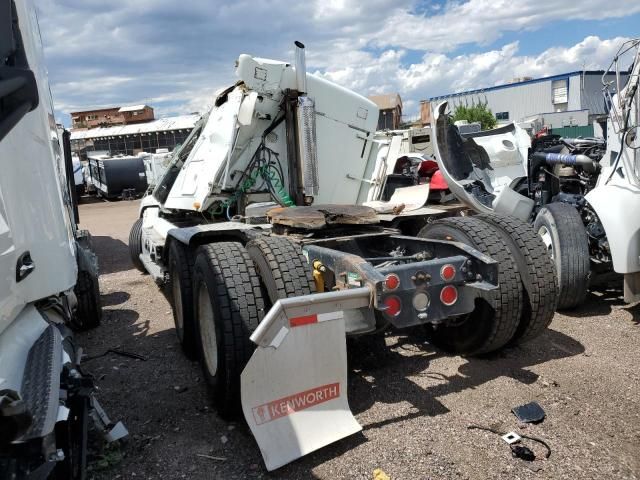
x: 180, y: 289
x: 224, y: 277
x: 88, y: 312
x: 282, y: 267
x: 495, y: 319
x: 569, y: 249
x: 537, y: 272
x: 135, y: 245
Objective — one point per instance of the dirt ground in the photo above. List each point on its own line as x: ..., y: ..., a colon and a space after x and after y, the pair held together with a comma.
x: 414, y: 403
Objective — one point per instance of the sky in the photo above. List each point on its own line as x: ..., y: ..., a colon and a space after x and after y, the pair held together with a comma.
x: 174, y: 55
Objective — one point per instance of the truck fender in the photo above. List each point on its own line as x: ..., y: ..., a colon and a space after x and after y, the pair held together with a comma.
x: 615, y: 206
x: 200, y: 234
x: 147, y: 202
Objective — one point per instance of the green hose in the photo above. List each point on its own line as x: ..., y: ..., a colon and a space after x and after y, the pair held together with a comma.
x: 270, y: 175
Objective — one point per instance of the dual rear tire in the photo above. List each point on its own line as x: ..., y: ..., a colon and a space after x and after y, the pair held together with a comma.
x: 522, y: 306
x: 230, y: 287
x: 228, y: 306
x: 220, y: 297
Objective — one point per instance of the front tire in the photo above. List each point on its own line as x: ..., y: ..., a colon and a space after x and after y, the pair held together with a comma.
x: 88, y: 312
x: 561, y: 229
x: 228, y: 306
x: 495, y: 319
x: 135, y: 245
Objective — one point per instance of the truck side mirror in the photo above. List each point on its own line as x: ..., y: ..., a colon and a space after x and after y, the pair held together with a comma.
x: 18, y: 88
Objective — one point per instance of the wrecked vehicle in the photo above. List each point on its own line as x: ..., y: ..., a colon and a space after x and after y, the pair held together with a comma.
x: 256, y: 231
x: 578, y: 193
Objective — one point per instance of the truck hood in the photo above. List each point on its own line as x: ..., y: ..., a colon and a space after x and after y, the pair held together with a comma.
x: 479, y: 166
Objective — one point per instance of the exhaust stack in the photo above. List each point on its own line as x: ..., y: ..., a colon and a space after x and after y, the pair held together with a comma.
x: 301, y: 68
x: 306, y: 114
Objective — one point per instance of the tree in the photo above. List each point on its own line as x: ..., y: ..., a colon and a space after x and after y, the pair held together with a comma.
x: 479, y: 112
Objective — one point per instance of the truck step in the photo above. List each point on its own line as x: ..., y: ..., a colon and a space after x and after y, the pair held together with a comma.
x: 41, y: 382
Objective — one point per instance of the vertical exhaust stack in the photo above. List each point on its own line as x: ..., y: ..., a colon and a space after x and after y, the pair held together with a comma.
x: 301, y: 68
x: 306, y: 128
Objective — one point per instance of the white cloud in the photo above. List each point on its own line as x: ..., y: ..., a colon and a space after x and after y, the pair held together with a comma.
x: 484, y: 21
x: 175, y: 57
x: 438, y: 73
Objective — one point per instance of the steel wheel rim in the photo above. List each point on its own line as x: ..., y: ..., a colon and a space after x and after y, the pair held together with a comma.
x: 207, y: 330
x: 177, y: 297
x: 545, y: 234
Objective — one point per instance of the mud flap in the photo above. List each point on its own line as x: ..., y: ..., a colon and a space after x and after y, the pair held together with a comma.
x: 294, y: 388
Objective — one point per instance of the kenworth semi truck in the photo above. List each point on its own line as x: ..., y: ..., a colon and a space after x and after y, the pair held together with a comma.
x: 258, y: 232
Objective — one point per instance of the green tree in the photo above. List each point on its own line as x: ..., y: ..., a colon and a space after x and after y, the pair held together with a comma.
x: 479, y: 112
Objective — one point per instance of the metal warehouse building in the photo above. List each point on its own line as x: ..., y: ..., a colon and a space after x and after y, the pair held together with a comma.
x: 570, y: 104
x: 131, y: 139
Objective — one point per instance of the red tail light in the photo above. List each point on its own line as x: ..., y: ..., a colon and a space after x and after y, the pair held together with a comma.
x: 392, y: 281
x: 449, y: 295
x: 448, y: 272
x: 393, y: 306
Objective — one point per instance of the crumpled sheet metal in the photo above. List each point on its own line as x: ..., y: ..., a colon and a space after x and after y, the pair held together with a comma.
x: 319, y: 216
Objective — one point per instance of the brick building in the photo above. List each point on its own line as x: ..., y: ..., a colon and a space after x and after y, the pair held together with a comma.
x: 390, y: 106
x: 105, y: 117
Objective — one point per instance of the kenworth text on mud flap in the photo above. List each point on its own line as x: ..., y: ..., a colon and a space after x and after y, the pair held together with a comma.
x: 581, y: 194
x: 48, y: 273
x: 270, y: 261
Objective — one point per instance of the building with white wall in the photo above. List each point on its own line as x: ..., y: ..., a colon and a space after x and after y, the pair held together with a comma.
x: 572, y: 99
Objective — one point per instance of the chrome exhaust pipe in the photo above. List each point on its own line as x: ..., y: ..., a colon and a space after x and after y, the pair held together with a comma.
x: 301, y: 68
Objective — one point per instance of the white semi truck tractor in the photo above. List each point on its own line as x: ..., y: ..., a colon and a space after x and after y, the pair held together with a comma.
x: 271, y: 263
x: 48, y: 274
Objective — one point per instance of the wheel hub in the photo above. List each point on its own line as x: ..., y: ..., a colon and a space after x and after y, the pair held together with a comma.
x: 545, y: 234
x: 207, y: 330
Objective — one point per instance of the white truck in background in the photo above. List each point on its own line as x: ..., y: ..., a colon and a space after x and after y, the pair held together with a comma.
x: 48, y: 274
x: 256, y: 230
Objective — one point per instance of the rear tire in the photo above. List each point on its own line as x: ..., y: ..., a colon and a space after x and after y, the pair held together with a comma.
x: 135, y: 245
x: 537, y: 271
x: 562, y: 231
x: 283, y: 269
x: 228, y: 306
x: 181, y: 292
x: 495, y: 319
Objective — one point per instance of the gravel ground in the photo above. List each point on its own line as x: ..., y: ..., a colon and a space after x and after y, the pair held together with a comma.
x: 413, y: 402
